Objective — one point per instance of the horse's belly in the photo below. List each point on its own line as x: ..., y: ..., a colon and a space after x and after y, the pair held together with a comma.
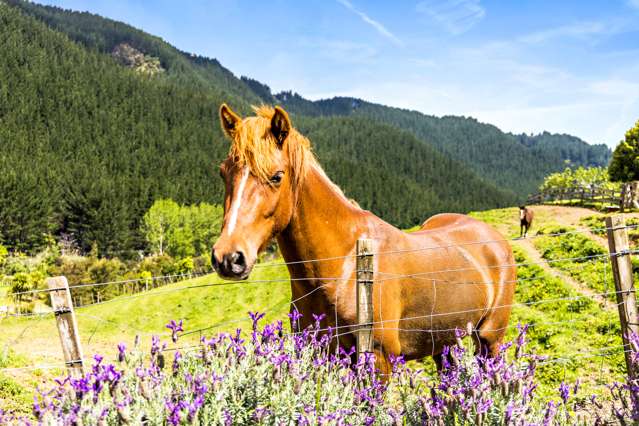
x: 433, y: 312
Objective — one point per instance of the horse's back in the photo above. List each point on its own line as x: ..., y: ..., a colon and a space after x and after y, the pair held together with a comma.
x: 443, y: 219
x: 473, y: 235
x: 461, y: 228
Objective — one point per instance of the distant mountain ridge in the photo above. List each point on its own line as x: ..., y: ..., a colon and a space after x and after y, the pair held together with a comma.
x: 105, y: 140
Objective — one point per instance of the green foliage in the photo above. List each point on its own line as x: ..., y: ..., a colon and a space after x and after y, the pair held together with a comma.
x: 14, y: 396
x: 624, y: 166
x: 3, y: 255
x: 184, y: 266
x: 158, y: 265
x: 21, y: 282
x: 590, y: 177
x: 181, y: 231
x: 105, y: 270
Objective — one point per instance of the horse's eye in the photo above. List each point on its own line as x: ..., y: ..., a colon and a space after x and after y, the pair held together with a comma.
x: 277, y: 177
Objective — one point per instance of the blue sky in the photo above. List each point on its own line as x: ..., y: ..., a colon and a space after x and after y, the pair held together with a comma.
x: 525, y: 66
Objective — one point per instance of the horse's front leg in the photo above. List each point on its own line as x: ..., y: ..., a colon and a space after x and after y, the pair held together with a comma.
x: 383, y: 365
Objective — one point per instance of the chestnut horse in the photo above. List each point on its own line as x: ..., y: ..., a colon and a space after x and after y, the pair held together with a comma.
x: 454, y: 273
x: 526, y: 216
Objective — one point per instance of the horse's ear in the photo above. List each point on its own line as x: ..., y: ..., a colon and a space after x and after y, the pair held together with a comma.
x: 280, y: 125
x: 229, y: 120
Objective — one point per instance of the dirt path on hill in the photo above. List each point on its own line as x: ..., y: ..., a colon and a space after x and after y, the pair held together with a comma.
x: 535, y: 257
x: 570, y: 216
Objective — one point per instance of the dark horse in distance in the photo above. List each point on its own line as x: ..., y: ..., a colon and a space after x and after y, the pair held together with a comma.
x: 526, y: 216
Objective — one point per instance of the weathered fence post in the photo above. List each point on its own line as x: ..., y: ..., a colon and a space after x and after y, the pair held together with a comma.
x: 624, y: 285
x: 622, y: 197
x: 364, y: 296
x: 67, y: 326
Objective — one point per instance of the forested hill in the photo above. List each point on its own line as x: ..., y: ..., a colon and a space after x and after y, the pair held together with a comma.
x: 88, y: 144
x: 514, y: 162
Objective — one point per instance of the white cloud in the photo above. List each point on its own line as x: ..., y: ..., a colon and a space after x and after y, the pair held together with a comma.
x: 381, y: 29
x: 577, y: 30
x: 456, y: 16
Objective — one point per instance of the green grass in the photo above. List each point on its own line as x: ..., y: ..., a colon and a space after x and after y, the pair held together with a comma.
x: 34, y: 341
x: 506, y: 220
x: 565, y: 329
x: 200, y: 302
x: 596, y: 223
x: 590, y: 265
x: 16, y: 394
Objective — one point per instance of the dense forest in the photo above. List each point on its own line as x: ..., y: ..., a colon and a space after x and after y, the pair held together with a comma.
x: 88, y: 144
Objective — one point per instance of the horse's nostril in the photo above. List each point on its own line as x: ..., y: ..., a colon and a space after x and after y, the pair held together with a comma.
x: 238, y: 263
x: 237, y: 259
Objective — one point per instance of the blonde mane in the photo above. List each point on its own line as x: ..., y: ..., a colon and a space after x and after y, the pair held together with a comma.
x: 254, y: 145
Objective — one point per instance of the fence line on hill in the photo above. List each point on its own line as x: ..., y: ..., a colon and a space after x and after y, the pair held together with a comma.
x: 189, y: 275
x: 623, y: 291
x: 612, y: 199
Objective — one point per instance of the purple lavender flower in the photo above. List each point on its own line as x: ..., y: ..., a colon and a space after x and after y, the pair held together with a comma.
x: 121, y: 352
x: 175, y: 327
x: 256, y: 317
x: 564, y: 392
x: 549, y: 414
x: 176, y: 361
x: 228, y: 417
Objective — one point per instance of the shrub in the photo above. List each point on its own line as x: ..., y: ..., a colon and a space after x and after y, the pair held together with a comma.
x: 272, y: 378
x: 4, y: 253
x: 202, y: 263
x: 105, y: 270
x: 184, y: 266
x: 21, y: 282
x: 158, y: 265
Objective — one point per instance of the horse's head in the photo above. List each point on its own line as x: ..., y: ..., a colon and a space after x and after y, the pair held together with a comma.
x: 522, y: 212
x: 264, y: 168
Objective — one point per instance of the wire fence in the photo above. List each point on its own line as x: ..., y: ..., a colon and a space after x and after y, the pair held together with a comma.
x: 321, y: 285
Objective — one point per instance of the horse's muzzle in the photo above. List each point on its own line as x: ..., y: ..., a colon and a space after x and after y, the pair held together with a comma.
x: 232, y: 265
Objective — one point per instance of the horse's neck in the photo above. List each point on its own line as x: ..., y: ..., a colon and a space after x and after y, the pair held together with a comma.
x: 324, y: 225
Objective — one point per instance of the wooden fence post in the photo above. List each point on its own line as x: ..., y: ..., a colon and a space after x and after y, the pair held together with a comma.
x: 624, y: 284
x: 67, y: 326
x: 364, y: 296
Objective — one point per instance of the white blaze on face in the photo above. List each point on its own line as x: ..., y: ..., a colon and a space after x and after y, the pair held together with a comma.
x: 237, y: 200
x: 521, y: 214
